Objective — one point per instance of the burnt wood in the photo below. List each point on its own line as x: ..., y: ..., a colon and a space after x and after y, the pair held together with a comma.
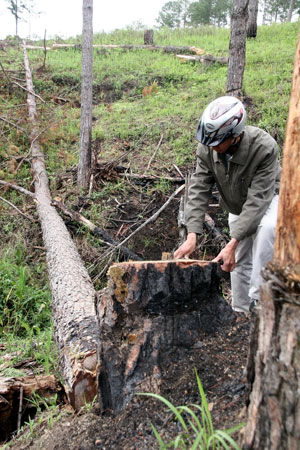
x: 148, y: 310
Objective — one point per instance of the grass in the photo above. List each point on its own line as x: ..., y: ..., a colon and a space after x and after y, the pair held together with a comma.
x: 196, y: 426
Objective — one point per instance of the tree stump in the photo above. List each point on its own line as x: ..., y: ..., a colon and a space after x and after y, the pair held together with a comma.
x: 148, y: 37
x: 148, y: 310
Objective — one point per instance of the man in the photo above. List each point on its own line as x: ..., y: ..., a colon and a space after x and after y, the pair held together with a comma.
x: 243, y: 162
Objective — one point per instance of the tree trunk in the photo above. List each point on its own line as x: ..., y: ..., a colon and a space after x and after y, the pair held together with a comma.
x: 291, y: 9
x: 252, y: 18
x: 237, y: 48
x: 73, y: 295
x: 85, y: 152
x: 148, y: 37
x: 150, y: 310
x: 274, y: 372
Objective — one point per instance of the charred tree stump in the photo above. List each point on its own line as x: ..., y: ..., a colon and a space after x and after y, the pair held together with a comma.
x: 148, y: 310
x: 148, y: 37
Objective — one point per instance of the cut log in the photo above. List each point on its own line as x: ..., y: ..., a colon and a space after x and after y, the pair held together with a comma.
x: 43, y: 385
x: 148, y: 310
x: 72, y: 292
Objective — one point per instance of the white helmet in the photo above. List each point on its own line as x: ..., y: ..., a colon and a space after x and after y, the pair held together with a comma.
x: 222, y: 118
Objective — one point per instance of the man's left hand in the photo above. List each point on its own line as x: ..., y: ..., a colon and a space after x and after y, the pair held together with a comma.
x: 227, y: 255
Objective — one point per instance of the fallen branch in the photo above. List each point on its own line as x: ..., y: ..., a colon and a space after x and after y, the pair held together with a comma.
x: 17, y: 188
x: 17, y: 209
x: 12, y: 124
x: 150, y: 220
x: 136, y: 176
x: 153, y: 156
x: 105, y: 238
x: 210, y: 225
x: 27, y: 90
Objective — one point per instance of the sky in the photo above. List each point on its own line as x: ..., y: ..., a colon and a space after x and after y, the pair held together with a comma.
x: 64, y: 17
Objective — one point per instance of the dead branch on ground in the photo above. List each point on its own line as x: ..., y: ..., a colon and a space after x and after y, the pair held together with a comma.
x: 105, y: 238
x: 150, y: 220
x: 17, y: 209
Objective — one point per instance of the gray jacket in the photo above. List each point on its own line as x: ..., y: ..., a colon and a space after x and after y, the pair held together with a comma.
x: 246, y: 186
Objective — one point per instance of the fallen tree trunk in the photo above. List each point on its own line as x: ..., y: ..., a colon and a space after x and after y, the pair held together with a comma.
x: 206, y: 59
x: 73, y: 295
x: 149, y: 311
x: 11, y: 406
x: 166, y: 49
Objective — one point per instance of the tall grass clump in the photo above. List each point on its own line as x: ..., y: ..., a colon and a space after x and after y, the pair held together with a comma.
x: 197, y: 430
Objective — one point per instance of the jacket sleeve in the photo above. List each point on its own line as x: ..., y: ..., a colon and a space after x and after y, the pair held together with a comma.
x: 199, y: 194
x: 260, y: 194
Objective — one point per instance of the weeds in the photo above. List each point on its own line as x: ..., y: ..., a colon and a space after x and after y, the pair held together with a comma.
x: 197, y: 427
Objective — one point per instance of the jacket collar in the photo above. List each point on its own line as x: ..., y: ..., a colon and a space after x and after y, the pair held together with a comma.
x: 241, y: 154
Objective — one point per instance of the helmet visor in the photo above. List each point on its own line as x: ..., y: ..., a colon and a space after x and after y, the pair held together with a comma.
x: 211, y: 139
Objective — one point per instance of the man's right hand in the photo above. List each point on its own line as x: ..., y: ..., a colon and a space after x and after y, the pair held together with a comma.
x: 187, y: 247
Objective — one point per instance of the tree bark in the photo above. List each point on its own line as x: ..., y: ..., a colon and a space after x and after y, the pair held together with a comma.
x: 149, y: 310
x: 73, y: 295
x: 148, y: 37
x: 252, y: 19
x: 274, y: 365
x: 85, y: 152
x: 291, y: 9
x: 287, y: 241
x: 237, y: 48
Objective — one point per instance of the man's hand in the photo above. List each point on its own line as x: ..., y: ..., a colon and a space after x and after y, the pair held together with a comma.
x: 187, y: 247
x: 227, y: 255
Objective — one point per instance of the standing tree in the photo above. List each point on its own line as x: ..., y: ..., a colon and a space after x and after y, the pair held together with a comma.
x: 174, y: 14
x: 85, y: 152
x: 17, y: 8
x: 252, y: 18
x: 237, y: 48
x: 207, y: 12
x: 274, y: 369
x: 290, y: 12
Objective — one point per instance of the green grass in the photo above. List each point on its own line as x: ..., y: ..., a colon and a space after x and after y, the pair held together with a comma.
x: 196, y: 426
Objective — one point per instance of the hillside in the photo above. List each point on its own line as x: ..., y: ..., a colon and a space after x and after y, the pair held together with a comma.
x: 145, y: 103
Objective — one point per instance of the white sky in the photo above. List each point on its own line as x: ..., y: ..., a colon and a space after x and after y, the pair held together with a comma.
x: 64, y: 17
